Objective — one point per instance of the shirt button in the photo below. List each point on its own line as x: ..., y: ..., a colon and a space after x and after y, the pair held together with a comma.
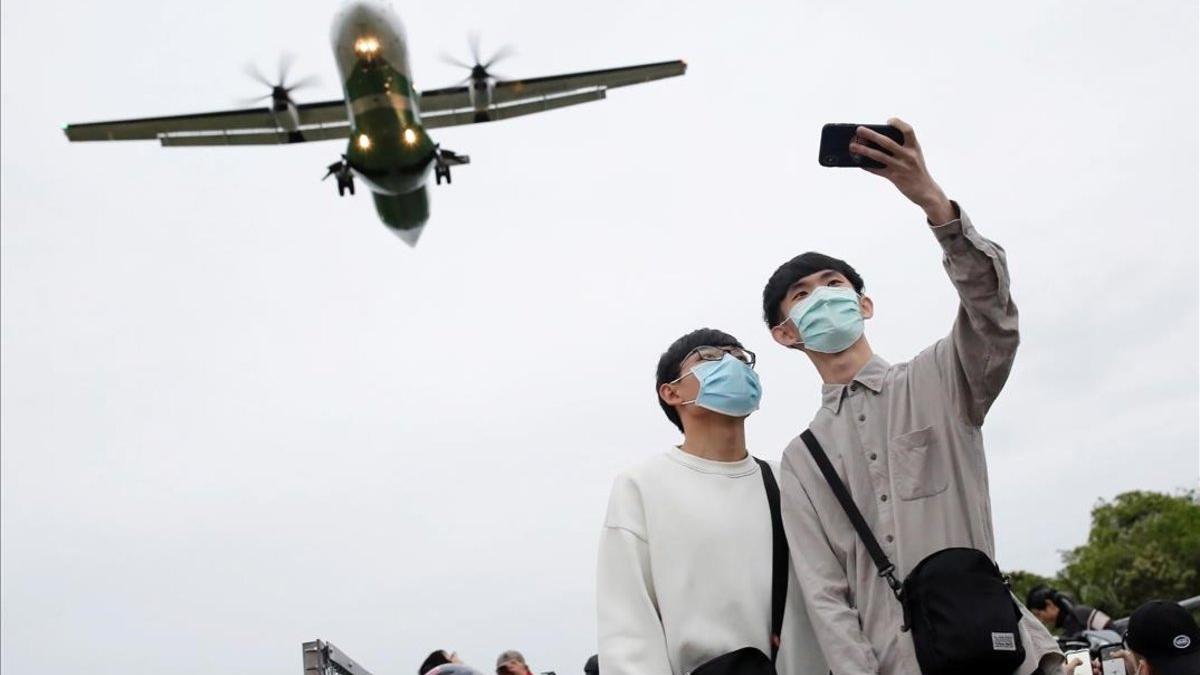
x: 862, y: 418
x: 883, y: 498
x: 890, y: 538
x: 854, y: 387
x: 874, y: 457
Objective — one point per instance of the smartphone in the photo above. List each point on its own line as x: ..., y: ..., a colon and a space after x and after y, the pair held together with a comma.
x: 835, y: 144
x: 1112, y: 661
x: 1085, y: 658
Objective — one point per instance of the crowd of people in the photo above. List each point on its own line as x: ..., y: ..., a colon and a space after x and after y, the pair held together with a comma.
x: 511, y: 662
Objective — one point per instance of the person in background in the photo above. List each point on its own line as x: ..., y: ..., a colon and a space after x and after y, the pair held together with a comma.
x: 512, y: 662
x: 1058, y: 611
x: 1162, y: 639
x: 444, y: 662
x: 592, y: 666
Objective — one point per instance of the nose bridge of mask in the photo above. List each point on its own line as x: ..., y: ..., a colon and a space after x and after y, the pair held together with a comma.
x: 821, y: 296
x: 728, y: 386
x: 829, y: 320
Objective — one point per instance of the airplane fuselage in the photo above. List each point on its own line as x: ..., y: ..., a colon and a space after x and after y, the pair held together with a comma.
x: 388, y: 150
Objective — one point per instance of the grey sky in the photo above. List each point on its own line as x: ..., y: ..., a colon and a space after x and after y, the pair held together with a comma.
x: 239, y: 414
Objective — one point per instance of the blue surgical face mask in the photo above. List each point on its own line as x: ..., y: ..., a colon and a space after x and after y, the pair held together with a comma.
x: 829, y: 320
x: 728, y: 386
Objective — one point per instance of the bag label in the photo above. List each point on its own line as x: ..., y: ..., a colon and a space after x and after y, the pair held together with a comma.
x: 1004, y: 642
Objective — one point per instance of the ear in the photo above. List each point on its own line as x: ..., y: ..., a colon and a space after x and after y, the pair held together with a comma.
x: 785, y: 334
x: 868, y: 307
x: 668, y: 394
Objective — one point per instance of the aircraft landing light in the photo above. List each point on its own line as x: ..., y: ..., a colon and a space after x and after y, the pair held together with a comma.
x: 367, y: 46
x: 364, y: 141
x: 410, y: 136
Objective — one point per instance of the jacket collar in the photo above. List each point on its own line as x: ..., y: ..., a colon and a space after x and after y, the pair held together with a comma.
x: 870, y: 376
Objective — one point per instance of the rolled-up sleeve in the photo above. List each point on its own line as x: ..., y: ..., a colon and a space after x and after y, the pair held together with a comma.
x: 823, y: 582
x: 975, y: 359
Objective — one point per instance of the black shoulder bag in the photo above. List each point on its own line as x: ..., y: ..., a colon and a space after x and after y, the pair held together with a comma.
x: 956, y: 602
x: 751, y: 660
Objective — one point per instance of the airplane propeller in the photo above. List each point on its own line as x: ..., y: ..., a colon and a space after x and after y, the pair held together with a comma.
x: 281, y: 90
x: 479, y: 68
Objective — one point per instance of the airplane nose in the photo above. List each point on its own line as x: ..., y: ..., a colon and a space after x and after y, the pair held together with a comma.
x: 363, y: 19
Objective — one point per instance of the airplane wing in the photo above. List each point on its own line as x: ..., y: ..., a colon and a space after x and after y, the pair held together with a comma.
x: 319, y: 121
x: 512, y: 98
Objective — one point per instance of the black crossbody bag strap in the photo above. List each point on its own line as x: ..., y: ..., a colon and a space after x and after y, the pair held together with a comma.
x: 779, y: 558
x: 886, y: 569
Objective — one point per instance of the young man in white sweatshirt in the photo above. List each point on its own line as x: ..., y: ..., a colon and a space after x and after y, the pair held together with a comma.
x: 686, y: 550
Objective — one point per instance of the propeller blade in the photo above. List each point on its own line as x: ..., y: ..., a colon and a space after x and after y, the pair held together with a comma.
x: 252, y: 70
x: 448, y: 59
x: 473, y: 42
x: 285, y: 64
x: 503, y: 53
x: 252, y: 101
x: 303, y: 82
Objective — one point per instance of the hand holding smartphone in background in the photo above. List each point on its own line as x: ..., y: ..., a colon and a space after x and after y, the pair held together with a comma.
x: 1083, y: 662
x: 1112, y: 660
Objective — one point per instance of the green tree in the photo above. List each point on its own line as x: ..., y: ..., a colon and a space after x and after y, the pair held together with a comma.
x: 1022, y: 582
x: 1142, y: 545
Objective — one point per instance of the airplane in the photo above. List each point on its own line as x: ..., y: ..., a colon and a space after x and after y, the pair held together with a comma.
x: 384, y: 117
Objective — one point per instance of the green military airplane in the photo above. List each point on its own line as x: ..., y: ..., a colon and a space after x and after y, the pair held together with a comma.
x: 386, y: 120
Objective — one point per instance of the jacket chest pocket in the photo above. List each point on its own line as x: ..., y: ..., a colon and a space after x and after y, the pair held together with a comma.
x: 918, y: 467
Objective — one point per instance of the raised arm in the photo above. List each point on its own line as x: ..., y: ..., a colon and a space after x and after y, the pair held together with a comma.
x: 631, y: 635
x: 973, y: 363
x: 823, y: 582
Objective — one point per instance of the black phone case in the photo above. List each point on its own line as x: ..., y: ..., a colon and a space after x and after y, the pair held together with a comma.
x: 835, y: 144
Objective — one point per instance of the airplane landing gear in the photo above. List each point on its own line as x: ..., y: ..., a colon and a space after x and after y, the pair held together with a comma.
x: 345, y: 178
x: 443, y: 160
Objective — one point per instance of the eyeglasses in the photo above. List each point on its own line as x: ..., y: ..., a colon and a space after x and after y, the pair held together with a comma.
x: 707, y: 353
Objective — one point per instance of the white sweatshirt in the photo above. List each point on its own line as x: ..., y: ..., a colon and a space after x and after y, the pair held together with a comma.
x: 685, y: 570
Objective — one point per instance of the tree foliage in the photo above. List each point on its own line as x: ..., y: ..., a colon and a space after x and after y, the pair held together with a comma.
x: 1142, y: 546
x: 1022, y: 582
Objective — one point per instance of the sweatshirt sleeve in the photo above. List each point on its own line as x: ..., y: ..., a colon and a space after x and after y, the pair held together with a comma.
x: 631, y: 638
x: 823, y: 582
x: 975, y: 359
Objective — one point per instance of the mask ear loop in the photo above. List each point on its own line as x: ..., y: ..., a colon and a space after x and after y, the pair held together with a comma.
x: 786, y: 320
x: 692, y: 372
x: 676, y: 381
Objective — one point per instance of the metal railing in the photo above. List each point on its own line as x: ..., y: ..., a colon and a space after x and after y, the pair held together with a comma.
x: 322, y: 658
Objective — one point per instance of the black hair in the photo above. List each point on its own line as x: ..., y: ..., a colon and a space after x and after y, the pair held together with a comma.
x: 1039, y: 595
x: 796, y: 269
x: 669, y: 363
x: 436, y: 658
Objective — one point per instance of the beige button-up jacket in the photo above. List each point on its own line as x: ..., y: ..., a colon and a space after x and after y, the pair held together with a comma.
x: 906, y: 441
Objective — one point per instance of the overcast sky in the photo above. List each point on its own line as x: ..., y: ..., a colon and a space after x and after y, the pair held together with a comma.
x: 239, y: 414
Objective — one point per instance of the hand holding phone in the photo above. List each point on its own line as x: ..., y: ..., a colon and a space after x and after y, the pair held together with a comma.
x: 1081, y: 660
x: 1112, y: 660
x: 889, y: 150
x: 836, y: 139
